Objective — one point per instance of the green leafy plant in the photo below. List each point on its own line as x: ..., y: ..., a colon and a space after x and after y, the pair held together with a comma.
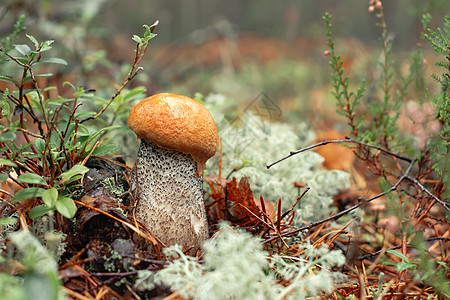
x: 440, y: 144
x: 424, y: 269
x: 376, y: 134
x: 48, y: 163
x: 8, y: 42
x: 45, y: 142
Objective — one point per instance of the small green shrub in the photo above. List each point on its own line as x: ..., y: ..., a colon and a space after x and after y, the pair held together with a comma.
x: 45, y: 142
x: 413, y: 178
x: 49, y: 162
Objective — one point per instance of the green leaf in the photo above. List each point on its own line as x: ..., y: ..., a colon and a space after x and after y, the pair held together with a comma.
x: 137, y: 91
x: 443, y: 264
x: 104, y: 150
x: 69, y: 84
x: 53, y: 60
x: 27, y: 193
x: 74, y: 178
x: 137, y: 39
x: 38, y: 211
x: 35, y: 42
x: 66, y: 207
x: 31, y: 178
x: 7, y: 136
x: 148, y: 32
x: 22, y: 60
x: 93, y: 137
x: 50, y: 196
x: 51, y: 88
x: 402, y: 266
x: 44, y: 75
x: 23, y: 49
x: 39, y: 145
x: 8, y: 221
x: 9, y: 79
x: 7, y: 162
x: 46, y: 45
x: 68, y: 141
x: 3, y: 177
x: 75, y: 170
x: 398, y: 254
x: 38, y: 75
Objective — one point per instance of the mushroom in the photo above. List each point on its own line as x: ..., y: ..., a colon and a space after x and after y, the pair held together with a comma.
x: 178, y: 135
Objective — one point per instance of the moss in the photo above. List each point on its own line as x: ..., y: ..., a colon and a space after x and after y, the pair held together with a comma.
x: 114, y: 188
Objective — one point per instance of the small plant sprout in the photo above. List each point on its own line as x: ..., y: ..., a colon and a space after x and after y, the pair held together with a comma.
x: 178, y: 136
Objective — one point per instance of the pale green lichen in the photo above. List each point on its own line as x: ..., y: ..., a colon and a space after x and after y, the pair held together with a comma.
x: 40, y: 278
x: 236, y: 267
x: 250, y: 142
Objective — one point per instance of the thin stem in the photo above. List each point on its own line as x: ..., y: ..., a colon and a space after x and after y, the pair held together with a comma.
x: 129, y: 77
x: 141, y: 48
x: 424, y: 189
x: 341, y: 82
x: 346, y: 140
x: 346, y: 211
x: 140, y: 51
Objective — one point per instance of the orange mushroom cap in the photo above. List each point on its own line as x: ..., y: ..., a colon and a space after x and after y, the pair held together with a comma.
x: 176, y: 122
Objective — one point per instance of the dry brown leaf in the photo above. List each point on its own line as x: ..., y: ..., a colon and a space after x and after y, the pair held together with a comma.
x: 234, y: 202
x: 337, y: 157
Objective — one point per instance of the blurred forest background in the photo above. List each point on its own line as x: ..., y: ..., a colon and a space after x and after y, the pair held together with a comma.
x: 240, y: 49
x: 237, y: 48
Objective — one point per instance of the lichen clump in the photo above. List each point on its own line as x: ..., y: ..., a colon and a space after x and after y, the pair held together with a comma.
x: 251, y: 142
x: 236, y: 267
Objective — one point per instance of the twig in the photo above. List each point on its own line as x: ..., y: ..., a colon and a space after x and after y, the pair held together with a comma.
x: 295, y: 203
x: 346, y: 140
x: 346, y: 211
x: 140, y: 51
x: 276, y: 228
x: 148, y: 260
x: 90, y: 153
x: 387, y: 152
x: 424, y: 189
x: 116, y: 274
x: 30, y: 133
x: 129, y: 77
x: 26, y: 68
x: 74, y: 294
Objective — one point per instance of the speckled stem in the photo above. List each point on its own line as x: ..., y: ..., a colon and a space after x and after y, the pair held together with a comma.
x: 170, y: 196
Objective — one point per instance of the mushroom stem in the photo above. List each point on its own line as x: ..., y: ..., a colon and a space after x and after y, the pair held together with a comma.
x: 170, y: 196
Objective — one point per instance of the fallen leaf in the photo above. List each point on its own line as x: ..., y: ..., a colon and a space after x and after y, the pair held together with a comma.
x: 234, y: 202
x: 337, y: 157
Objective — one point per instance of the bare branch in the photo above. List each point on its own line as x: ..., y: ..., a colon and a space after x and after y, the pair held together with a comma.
x: 346, y: 211
x: 346, y: 140
x: 424, y: 189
